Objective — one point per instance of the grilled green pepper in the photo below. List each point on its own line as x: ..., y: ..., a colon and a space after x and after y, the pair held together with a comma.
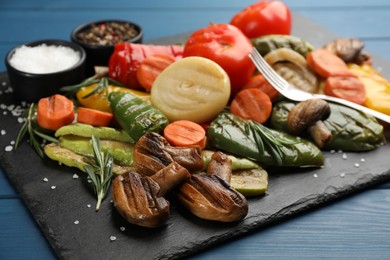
x: 136, y: 116
x: 268, y: 43
x: 245, y: 138
x: 351, y: 130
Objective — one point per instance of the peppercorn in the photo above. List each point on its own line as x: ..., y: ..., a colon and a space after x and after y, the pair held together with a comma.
x: 106, y: 34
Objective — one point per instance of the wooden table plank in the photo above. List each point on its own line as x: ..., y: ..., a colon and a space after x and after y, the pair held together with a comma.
x: 306, y: 236
x: 20, y: 236
x: 174, y: 4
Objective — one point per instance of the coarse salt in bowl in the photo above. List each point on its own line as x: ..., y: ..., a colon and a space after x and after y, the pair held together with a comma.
x: 39, y: 69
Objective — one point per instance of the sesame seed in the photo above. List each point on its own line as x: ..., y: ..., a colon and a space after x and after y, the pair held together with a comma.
x: 332, y: 151
x: 340, y: 151
x: 20, y: 120
x: 8, y: 148
x: 122, y: 228
x: 342, y: 175
x: 315, y: 175
x: 45, y: 179
x: 345, y: 156
x: 53, y: 187
x: 3, y: 132
x: 4, y: 83
x: 12, y: 142
x: 89, y: 180
x: 5, y: 113
x: 357, y: 165
x: 76, y: 222
x: 75, y: 176
x: 362, y: 160
x: 112, y: 238
x: 88, y: 205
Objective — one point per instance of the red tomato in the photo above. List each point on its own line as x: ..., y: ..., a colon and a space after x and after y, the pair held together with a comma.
x: 226, y: 45
x: 262, y: 18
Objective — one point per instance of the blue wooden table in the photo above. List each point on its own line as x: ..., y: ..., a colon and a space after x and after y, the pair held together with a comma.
x: 356, y: 227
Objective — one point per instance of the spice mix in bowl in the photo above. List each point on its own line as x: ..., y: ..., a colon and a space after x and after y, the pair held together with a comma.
x: 99, y: 38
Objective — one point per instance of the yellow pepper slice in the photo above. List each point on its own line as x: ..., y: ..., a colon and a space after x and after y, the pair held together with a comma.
x: 99, y: 101
x: 377, y: 87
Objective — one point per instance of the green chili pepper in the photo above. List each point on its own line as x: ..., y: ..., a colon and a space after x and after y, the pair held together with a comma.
x: 245, y: 138
x: 351, y: 130
x: 136, y: 116
x: 268, y: 43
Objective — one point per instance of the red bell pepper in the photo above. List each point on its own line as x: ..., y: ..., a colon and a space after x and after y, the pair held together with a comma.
x: 127, y: 57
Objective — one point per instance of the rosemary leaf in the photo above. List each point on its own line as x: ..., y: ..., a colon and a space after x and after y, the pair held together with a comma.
x: 28, y: 126
x: 22, y: 133
x: 101, y: 172
x: 34, y: 142
x: 45, y: 136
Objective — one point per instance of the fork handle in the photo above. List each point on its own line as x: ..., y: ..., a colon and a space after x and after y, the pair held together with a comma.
x: 366, y: 110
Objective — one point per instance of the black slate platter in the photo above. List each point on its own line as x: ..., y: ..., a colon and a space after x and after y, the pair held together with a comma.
x: 57, y: 210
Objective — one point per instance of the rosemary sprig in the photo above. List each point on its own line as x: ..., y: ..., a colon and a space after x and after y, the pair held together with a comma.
x: 28, y: 127
x: 266, y: 140
x: 100, y: 172
x: 101, y: 87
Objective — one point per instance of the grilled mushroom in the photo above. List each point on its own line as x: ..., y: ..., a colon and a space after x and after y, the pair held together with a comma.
x: 152, y: 153
x: 138, y: 200
x: 349, y: 50
x: 211, y: 197
x: 309, y: 115
x: 221, y: 166
x: 170, y: 177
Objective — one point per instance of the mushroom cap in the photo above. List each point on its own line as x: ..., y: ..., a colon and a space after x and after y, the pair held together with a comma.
x: 137, y: 199
x: 306, y: 114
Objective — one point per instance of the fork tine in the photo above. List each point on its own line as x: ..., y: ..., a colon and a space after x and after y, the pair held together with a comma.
x: 267, y: 71
x: 277, y: 81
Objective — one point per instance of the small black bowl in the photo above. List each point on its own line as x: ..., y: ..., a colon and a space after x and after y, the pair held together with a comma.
x: 97, y: 54
x: 31, y: 87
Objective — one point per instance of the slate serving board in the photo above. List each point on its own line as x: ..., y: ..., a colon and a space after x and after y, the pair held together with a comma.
x: 57, y: 210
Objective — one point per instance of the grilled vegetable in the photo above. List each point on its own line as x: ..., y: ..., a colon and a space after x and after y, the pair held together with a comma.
x: 308, y: 116
x: 138, y: 200
x: 126, y: 58
x: 293, y: 68
x: 153, y: 152
x: 251, y: 182
x: 210, y: 196
x: 193, y: 88
x: 72, y: 159
x: 99, y: 100
x: 351, y: 130
x: 85, y: 130
x: 349, y: 50
x: 121, y: 152
x: 263, y: 145
x: 136, y: 116
x: 268, y: 43
x: 377, y: 87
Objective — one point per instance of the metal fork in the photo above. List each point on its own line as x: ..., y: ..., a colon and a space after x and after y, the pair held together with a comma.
x: 293, y: 93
